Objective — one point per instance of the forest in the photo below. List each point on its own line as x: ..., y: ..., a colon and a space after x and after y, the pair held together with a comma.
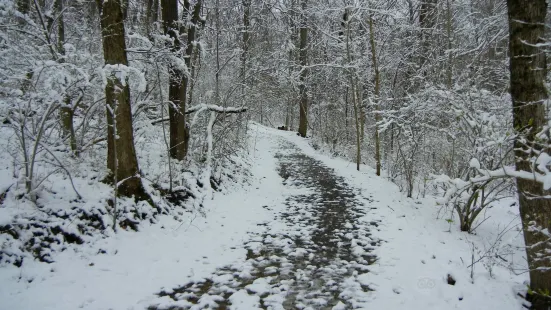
x: 121, y: 117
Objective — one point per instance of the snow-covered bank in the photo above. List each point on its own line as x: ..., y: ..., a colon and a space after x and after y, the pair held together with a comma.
x: 413, y: 261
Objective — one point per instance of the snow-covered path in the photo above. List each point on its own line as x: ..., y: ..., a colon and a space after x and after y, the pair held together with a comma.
x: 308, y: 255
x: 310, y: 232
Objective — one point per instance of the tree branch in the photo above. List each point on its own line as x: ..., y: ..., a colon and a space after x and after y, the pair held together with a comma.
x: 210, y: 107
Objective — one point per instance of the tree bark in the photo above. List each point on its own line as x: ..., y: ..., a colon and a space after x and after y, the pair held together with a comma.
x: 67, y: 110
x: 303, y: 55
x: 121, y: 158
x: 449, y: 68
x: 427, y: 21
x: 528, y: 92
x: 245, y: 52
x: 152, y: 14
x: 377, y: 93
x: 246, y: 34
x: 182, y: 129
x: 217, y: 52
x: 353, y: 83
x: 170, y: 24
x: 178, y: 93
x: 291, y: 100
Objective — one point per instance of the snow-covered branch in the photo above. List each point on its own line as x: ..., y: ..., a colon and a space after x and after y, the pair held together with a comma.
x: 458, y: 185
x: 216, y: 108
x: 210, y: 107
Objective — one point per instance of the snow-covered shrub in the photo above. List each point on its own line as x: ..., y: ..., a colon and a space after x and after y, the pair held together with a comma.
x: 53, y: 134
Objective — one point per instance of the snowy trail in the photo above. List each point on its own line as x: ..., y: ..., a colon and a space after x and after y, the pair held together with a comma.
x: 337, y: 241
x: 306, y: 263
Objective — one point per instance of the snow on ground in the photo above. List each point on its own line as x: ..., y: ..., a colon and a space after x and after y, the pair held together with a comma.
x: 248, y: 250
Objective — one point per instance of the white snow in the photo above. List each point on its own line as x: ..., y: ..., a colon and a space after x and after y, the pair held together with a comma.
x: 474, y: 163
x: 242, y: 300
x: 415, y: 251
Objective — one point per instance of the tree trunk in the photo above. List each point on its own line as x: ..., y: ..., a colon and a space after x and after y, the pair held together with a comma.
x: 289, y: 117
x: 170, y: 24
x: 377, y: 93
x: 353, y: 83
x: 152, y: 14
x: 178, y: 127
x: 217, y: 52
x: 121, y: 158
x: 303, y: 54
x: 245, y: 52
x: 449, y: 69
x: 427, y: 21
x: 67, y: 110
x: 528, y: 92
x: 246, y: 34
x: 67, y: 115
x: 124, y: 6
x: 347, y: 136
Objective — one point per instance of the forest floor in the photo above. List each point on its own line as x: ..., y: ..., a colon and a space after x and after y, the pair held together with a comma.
x: 310, y: 232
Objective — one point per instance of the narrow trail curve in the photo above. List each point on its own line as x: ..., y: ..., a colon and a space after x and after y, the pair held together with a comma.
x: 308, y: 257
